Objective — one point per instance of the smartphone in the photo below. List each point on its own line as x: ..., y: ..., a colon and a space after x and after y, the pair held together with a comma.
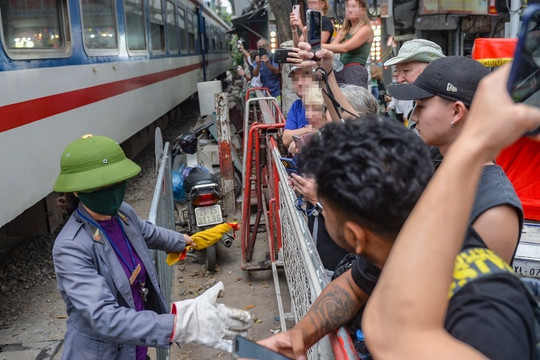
x: 289, y: 165
x: 247, y: 349
x: 524, y: 80
x: 302, y: 140
x: 281, y: 55
x: 314, y: 29
x: 296, y: 11
x: 262, y: 51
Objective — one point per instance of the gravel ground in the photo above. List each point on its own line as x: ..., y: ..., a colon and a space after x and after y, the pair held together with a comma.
x: 32, y: 313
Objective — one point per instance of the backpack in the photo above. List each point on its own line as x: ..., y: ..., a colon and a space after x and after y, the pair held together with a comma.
x: 475, y: 263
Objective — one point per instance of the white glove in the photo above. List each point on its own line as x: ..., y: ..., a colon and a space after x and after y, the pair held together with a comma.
x: 204, y: 322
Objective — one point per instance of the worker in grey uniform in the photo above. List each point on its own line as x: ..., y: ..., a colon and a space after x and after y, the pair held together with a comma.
x: 105, y: 272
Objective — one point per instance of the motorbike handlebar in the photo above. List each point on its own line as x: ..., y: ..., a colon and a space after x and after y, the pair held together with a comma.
x: 186, y: 141
x: 202, y: 128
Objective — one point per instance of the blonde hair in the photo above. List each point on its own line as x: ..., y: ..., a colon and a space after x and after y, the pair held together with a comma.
x: 347, y: 24
x: 325, y: 6
x: 313, y: 95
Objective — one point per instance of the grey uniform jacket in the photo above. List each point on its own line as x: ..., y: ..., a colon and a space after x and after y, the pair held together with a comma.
x: 102, y: 322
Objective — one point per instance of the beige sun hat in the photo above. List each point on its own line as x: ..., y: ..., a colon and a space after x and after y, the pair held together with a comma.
x: 417, y: 50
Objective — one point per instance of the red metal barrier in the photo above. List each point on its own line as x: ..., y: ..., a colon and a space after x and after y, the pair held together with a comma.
x: 250, y: 90
x: 249, y: 230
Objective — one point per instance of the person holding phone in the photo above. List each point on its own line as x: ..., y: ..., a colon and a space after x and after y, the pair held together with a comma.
x: 268, y: 69
x: 353, y: 42
x: 251, y: 58
x: 297, y: 25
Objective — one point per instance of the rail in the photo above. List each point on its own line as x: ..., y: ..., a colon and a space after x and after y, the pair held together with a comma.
x: 268, y: 198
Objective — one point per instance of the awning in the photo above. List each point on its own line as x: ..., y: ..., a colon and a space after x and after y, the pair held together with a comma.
x: 244, y: 22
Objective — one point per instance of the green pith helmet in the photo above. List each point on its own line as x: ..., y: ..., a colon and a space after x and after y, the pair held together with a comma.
x: 92, y: 162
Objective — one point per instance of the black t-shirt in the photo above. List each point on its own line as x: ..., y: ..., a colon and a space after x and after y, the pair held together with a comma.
x: 329, y: 252
x: 491, y: 314
x: 327, y: 26
x: 495, y: 189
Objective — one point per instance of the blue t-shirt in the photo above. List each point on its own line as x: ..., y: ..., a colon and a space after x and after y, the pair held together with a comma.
x: 269, y: 79
x: 296, y: 117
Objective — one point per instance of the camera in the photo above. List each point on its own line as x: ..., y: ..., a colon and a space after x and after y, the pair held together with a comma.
x: 281, y: 55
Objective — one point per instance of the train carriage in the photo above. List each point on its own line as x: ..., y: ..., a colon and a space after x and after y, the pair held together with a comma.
x: 110, y: 67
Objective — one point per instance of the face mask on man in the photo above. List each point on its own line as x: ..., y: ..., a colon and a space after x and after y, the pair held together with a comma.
x: 104, y: 201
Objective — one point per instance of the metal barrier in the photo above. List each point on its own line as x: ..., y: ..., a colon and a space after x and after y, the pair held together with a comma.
x: 290, y: 243
x: 162, y: 214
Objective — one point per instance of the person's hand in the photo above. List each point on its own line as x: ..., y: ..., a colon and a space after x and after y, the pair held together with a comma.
x: 295, y: 23
x: 257, y: 58
x: 293, y: 149
x: 289, y: 343
x: 326, y: 57
x: 264, y: 58
x: 305, y: 186
x: 293, y: 57
x: 494, y: 120
x: 204, y: 322
x: 188, y: 239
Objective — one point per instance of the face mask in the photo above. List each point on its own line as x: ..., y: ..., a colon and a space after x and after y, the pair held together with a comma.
x: 105, y: 201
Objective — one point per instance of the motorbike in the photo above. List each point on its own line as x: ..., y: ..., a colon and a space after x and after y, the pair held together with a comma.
x: 196, y: 188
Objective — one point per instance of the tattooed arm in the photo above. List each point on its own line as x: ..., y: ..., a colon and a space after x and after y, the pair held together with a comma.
x: 337, y: 304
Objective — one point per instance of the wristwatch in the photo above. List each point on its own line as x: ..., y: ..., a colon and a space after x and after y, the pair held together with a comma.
x: 317, y: 209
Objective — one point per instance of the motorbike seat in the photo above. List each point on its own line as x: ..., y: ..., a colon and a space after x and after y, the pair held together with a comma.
x: 198, y: 176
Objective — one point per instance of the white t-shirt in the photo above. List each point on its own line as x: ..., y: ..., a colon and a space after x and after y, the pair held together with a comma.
x: 255, y: 80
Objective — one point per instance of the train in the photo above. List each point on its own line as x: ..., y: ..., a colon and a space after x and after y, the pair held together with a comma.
x: 108, y: 67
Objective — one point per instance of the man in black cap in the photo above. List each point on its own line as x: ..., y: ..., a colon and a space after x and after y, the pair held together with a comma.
x: 443, y: 95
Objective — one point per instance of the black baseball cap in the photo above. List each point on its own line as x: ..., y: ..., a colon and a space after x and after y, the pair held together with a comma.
x: 453, y: 77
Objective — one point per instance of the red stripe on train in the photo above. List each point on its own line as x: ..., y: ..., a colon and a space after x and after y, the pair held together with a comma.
x: 26, y: 112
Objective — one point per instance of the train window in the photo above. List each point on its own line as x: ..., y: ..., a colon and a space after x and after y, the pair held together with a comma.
x: 99, y: 24
x: 196, y: 30
x: 35, y: 29
x: 156, y: 26
x: 182, y: 26
x: 135, y: 29
x: 191, y: 32
x: 172, y: 35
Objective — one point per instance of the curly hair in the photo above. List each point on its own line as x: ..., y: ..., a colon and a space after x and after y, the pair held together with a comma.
x: 372, y: 169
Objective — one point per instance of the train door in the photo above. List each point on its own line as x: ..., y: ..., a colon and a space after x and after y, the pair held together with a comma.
x: 203, y: 39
